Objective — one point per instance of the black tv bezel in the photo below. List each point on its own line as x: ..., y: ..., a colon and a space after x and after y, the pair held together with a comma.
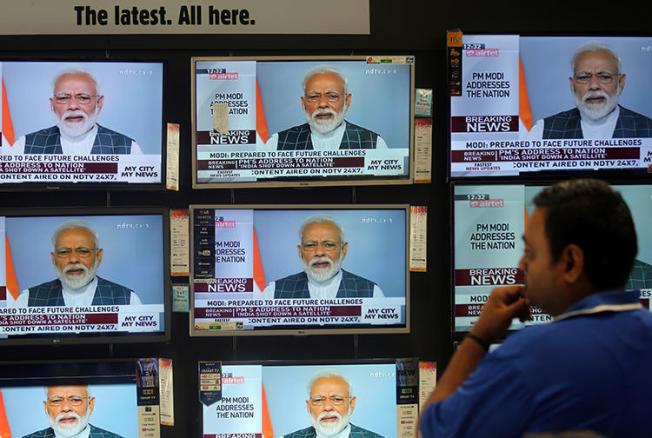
x: 38, y: 186
x: 105, y: 337
x: 338, y: 330
x: 365, y: 180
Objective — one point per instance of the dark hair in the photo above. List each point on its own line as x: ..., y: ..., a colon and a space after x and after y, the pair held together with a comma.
x: 593, y: 216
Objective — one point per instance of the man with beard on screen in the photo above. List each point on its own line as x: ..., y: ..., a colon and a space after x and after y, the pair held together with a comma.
x: 76, y: 257
x: 322, y: 250
x: 597, y: 83
x: 325, y: 102
x: 76, y: 103
x: 330, y: 405
x: 69, y: 409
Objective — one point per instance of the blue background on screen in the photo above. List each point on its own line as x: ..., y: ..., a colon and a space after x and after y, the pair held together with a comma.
x: 115, y: 409
x: 379, y: 102
x: 546, y: 62
x: 376, y: 250
x: 132, y: 257
x: 286, y: 389
x: 133, y: 99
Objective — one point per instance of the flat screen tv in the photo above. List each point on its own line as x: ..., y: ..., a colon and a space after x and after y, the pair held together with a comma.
x: 279, y: 398
x: 74, y: 124
x: 84, y: 275
x: 550, y: 105
x: 64, y: 397
x: 255, y: 272
x: 488, y: 223
x: 291, y: 121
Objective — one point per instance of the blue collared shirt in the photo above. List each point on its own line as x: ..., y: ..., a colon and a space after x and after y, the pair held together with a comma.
x: 590, y: 369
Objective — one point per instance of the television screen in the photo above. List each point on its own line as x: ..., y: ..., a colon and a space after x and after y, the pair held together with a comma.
x: 69, y: 123
x: 302, y: 120
x: 279, y: 399
x: 84, y: 276
x: 489, y: 221
x: 67, y: 398
x: 552, y: 104
x: 295, y: 269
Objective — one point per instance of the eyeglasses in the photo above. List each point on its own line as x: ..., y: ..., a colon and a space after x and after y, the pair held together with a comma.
x: 336, y: 400
x: 328, y: 245
x: 604, y: 77
x: 81, y: 252
x: 316, y: 97
x: 73, y: 400
x: 82, y: 98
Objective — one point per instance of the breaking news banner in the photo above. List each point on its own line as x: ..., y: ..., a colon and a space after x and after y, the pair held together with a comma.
x: 114, y: 408
x: 114, y: 135
x: 139, y: 277
x: 237, y: 129
x: 509, y: 121
x: 239, y: 255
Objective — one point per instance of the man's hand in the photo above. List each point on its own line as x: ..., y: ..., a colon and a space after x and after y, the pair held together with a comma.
x: 504, y: 304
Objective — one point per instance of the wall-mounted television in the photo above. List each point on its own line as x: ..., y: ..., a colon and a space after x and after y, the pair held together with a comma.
x: 292, y: 269
x: 372, y: 398
x: 291, y: 121
x: 84, y: 275
x: 81, y: 124
x: 66, y: 397
x: 488, y: 223
x: 550, y: 105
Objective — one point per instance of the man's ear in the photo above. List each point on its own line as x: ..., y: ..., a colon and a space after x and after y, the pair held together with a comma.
x: 621, y: 82
x: 353, y: 401
x: 571, y: 263
x: 100, y: 102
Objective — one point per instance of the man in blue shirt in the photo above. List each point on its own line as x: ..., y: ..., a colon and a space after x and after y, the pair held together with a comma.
x: 589, y: 369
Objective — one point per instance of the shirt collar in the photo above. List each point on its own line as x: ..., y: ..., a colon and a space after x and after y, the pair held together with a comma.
x: 611, y: 301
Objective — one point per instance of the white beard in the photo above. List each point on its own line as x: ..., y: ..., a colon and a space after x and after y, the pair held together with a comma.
x: 72, y: 430
x: 76, y: 282
x: 326, y: 125
x: 76, y: 129
x: 320, y: 275
x: 330, y: 429
x: 595, y: 112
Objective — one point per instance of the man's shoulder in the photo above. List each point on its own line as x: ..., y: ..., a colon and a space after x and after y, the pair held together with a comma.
x: 104, y: 130
x: 572, y: 113
x: 299, y: 276
x: 54, y: 284
x: 106, y: 283
x: 353, y: 127
x: 52, y: 130
x: 640, y: 118
x: 346, y: 275
x: 295, y: 130
x: 45, y: 433
x: 302, y: 433
x: 358, y: 432
x: 97, y: 432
